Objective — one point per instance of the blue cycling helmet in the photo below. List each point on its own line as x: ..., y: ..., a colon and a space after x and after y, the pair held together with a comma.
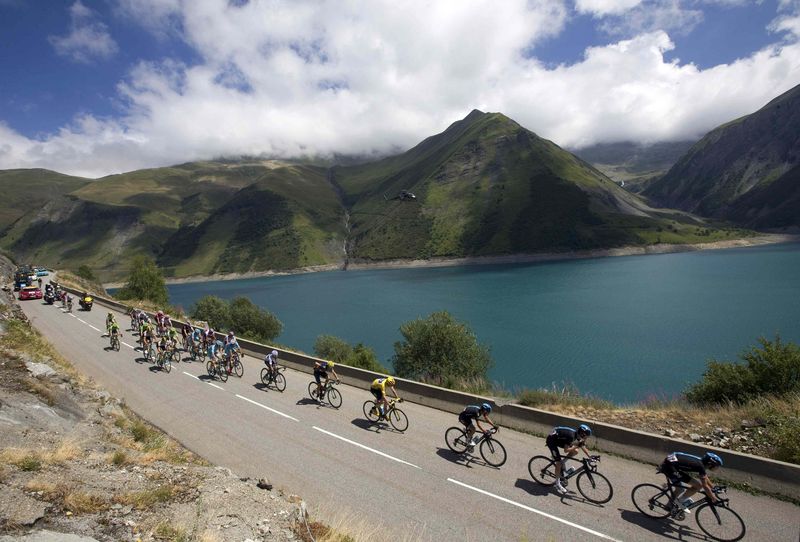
x: 486, y: 407
x: 585, y: 430
x: 712, y: 459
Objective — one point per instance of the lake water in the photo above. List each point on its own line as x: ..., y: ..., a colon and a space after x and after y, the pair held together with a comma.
x: 624, y: 328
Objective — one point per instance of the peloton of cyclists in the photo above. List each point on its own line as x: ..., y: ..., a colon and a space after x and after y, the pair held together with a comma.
x: 679, y: 467
x: 571, y: 440
x: 473, y: 413
x: 321, y: 369
x: 378, y: 389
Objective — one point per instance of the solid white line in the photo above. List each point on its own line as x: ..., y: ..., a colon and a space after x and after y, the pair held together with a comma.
x: 189, y: 374
x: 366, y: 448
x: 91, y: 326
x: 534, y: 510
x: 212, y: 384
x: 129, y: 346
x: 72, y: 315
x: 266, y: 407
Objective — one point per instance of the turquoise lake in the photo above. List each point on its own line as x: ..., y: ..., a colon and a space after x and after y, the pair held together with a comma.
x: 623, y: 328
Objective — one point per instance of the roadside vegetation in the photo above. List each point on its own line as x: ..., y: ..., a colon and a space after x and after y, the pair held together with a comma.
x: 239, y: 314
x: 145, y: 282
x: 339, y: 351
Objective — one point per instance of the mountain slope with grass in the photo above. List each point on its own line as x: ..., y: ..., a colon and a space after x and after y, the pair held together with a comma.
x: 488, y: 186
x: 745, y: 170
x: 27, y: 189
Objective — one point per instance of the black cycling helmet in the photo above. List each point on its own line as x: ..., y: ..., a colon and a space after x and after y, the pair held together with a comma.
x: 584, y: 430
x: 712, y: 460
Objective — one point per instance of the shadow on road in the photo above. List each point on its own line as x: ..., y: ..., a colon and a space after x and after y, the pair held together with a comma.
x: 662, y: 527
x: 309, y: 401
x: 459, y: 459
x: 532, y: 488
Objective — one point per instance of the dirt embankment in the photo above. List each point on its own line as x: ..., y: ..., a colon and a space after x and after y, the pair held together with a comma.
x: 75, y: 464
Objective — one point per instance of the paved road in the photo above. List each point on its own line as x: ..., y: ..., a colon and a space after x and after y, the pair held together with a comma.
x: 408, y: 484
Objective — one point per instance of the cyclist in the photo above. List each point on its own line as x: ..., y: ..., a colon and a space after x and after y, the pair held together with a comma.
x: 186, y: 334
x: 571, y: 440
x: 378, y: 389
x: 109, y: 320
x: 196, y: 339
x: 163, y: 345
x: 208, y: 336
x: 678, y: 467
x: 159, y: 321
x: 321, y: 369
x: 472, y: 413
x: 231, y: 346
x: 114, y: 331
x: 172, y: 337
x: 146, y: 333
x: 214, y: 348
x: 271, y: 361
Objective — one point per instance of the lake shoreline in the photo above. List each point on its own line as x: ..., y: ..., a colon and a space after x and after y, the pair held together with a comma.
x: 759, y: 240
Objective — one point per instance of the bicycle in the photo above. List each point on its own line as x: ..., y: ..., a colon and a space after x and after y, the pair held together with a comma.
x: 150, y: 351
x: 491, y: 450
x: 716, y: 520
x: 329, y: 392
x: 591, y: 484
x: 164, y: 360
x: 396, y: 417
x: 234, y: 364
x: 115, y: 342
x: 274, y: 376
x: 216, y: 369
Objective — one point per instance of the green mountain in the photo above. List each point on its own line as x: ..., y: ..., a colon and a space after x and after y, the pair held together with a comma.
x: 484, y: 186
x: 634, y: 165
x: 745, y: 170
x: 487, y: 186
x: 25, y: 190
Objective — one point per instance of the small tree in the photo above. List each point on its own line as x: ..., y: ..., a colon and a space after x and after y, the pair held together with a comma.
x: 332, y: 348
x: 85, y: 273
x: 365, y: 358
x: 252, y: 322
x: 145, y: 282
x: 442, y: 351
x: 213, y: 310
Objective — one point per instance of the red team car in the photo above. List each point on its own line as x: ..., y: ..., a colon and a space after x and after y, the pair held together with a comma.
x: 30, y: 292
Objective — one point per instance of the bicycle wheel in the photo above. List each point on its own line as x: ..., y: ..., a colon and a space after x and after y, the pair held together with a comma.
x: 493, y: 452
x: 334, y: 398
x: 280, y: 382
x: 222, y: 371
x: 398, y: 419
x: 166, y: 363
x: 312, y: 390
x: 370, y: 411
x: 720, y: 522
x: 210, y: 369
x: 265, y: 376
x: 651, y: 500
x: 542, y: 469
x: 456, y: 439
x: 594, y: 487
x: 238, y: 368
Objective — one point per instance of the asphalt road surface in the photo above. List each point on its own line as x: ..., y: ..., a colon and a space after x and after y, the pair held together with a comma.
x: 407, y: 485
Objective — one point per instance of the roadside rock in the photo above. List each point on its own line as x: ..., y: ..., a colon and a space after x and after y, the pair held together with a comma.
x: 39, y: 370
x: 47, y: 536
x: 694, y: 437
x: 16, y: 508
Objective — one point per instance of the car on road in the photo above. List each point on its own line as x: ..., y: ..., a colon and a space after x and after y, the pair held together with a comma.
x: 30, y: 292
x: 41, y: 272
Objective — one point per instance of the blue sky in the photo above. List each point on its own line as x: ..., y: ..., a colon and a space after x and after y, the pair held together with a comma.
x: 93, y: 87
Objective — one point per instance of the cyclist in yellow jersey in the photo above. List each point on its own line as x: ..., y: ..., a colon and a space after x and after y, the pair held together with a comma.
x: 378, y: 389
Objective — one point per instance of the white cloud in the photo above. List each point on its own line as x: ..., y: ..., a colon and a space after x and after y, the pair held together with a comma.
x: 88, y: 38
x: 601, y: 8
x: 666, y: 15
x: 303, y: 77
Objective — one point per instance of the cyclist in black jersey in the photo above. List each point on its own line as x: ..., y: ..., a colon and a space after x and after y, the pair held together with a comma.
x: 321, y: 369
x: 571, y: 440
x: 472, y: 413
x: 678, y: 467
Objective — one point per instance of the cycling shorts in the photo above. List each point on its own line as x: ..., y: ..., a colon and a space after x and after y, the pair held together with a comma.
x: 466, y: 420
x: 674, y: 475
x: 318, y: 375
x: 553, y: 446
x: 378, y: 393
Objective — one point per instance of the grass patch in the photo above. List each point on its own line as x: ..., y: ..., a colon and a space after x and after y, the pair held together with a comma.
x: 564, y: 395
x: 79, y: 502
x: 26, y: 460
x: 141, y: 500
x: 51, y: 492
x: 20, y: 336
x: 118, y: 458
x: 165, y: 531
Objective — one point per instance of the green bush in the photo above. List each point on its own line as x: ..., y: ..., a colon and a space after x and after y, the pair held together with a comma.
x: 440, y: 350
x: 85, y: 273
x: 784, y: 433
x: 339, y: 351
x: 773, y: 368
x: 145, y: 282
x: 241, y: 315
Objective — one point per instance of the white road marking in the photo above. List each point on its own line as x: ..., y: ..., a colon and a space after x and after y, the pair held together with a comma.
x: 367, y: 448
x: 72, y: 315
x: 218, y: 387
x: 266, y: 407
x: 534, y: 510
x: 129, y: 346
x: 189, y: 374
